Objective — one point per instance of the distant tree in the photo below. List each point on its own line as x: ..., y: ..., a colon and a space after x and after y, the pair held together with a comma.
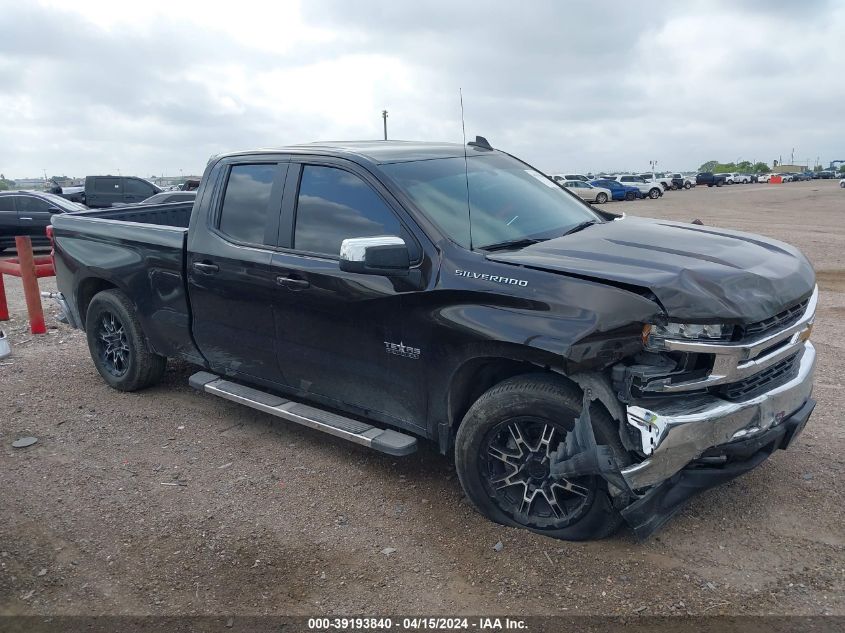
x: 744, y: 166
x: 710, y: 165
x: 818, y: 168
x: 4, y: 185
x: 760, y: 168
x: 842, y: 169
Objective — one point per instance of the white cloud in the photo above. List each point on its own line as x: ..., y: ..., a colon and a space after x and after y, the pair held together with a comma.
x: 156, y: 87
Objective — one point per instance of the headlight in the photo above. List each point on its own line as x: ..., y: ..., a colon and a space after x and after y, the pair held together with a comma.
x: 653, y: 335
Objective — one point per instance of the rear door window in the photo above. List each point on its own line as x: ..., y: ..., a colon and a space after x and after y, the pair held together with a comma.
x: 248, y: 203
x: 7, y: 203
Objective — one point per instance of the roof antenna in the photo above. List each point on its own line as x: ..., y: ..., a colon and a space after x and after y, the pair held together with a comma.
x: 466, y: 166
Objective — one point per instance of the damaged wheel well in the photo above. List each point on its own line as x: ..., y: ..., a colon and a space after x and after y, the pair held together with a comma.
x: 475, y: 377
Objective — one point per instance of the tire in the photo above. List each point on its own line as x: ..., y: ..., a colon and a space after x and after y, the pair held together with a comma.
x: 533, y: 404
x: 719, y: 183
x: 654, y: 193
x: 687, y: 185
x: 630, y: 195
x: 601, y: 198
x: 118, y: 345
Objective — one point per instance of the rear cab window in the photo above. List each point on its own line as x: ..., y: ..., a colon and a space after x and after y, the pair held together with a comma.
x: 248, y: 203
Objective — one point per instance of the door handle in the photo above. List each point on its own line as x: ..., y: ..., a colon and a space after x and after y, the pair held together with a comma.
x: 292, y: 282
x: 204, y: 268
x: 25, y: 218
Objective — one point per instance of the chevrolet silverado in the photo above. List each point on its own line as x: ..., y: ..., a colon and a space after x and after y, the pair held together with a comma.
x: 583, y: 369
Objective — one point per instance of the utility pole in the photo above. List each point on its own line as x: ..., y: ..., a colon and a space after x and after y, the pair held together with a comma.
x: 384, y: 116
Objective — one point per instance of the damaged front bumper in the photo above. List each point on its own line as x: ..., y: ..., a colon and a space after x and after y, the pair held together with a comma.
x: 679, y: 430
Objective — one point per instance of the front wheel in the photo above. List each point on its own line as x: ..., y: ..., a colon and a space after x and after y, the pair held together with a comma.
x: 118, y: 345
x: 601, y: 198
x: 502, y: 456
x: 654, y: 193
x: 687, y: 185
x: 719, y: 183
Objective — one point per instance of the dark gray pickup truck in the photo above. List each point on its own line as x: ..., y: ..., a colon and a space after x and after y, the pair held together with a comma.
x: 582, y: 368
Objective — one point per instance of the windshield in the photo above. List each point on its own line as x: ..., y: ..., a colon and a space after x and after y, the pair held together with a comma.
x: 508, y: 200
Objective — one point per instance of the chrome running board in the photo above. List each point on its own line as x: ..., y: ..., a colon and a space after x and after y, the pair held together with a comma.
x: 383, y: 440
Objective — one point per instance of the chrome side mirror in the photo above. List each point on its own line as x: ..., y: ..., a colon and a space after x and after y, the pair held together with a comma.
x: 385, y: 255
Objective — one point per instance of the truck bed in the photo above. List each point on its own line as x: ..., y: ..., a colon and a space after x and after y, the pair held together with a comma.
x: 139, y: 249
x: 175, y: 214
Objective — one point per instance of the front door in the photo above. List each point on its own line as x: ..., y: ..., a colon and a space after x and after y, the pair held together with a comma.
x: 231, y: 278
x: 33, y: 216
x: 341, y: 337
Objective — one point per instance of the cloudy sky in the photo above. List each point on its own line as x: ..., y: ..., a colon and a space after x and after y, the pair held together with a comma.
x: 149, y: 88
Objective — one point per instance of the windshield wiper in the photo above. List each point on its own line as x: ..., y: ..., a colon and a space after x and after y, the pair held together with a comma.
x: 581, y: 226
x: 518, y: 243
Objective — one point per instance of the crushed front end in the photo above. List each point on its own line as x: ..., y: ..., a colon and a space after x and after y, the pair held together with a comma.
x: 705, y: 403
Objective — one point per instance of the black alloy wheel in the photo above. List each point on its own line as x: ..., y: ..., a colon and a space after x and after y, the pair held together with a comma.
x: 113, y: 344
x: 515, y: 470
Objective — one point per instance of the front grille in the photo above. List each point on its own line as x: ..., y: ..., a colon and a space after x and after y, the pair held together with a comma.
x: 779, y: 321
x: 758, y: 383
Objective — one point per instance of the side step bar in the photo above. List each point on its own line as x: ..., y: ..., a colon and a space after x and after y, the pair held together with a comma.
x: 383, y: 440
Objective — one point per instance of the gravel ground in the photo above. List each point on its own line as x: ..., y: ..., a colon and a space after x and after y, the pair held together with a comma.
x: 271, y: 518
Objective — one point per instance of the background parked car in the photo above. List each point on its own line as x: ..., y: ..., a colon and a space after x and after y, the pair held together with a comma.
x: 650, y: 189
x: 29, y: 213
x: 710, y: 179
x: 586, y: 191
x: 171, y: 196
x: 663, y: 181
x: 104, y: 191
x: 842, y: 183
x: 618, y: 191
x: 679, y: 181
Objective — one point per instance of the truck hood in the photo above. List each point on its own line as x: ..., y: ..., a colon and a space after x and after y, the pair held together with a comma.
x: 697, y: 273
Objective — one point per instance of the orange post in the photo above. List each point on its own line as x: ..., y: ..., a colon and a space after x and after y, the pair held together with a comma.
x: 4, y: 308
x: 29, y: 277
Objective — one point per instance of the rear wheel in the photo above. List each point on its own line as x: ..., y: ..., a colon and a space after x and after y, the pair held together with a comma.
x: 118, y: 345
x: 687, y: 185
x: 601, y: 198
x: 630, y: 195
x: 719, y: 183
x: 502, y: 456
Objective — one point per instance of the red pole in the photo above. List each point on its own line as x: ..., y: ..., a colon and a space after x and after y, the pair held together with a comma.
x: 30, y: 285
x: 4, y: 308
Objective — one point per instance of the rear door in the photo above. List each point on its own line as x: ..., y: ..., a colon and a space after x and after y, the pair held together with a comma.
x: 231, y: 278
x: 103, y: 191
